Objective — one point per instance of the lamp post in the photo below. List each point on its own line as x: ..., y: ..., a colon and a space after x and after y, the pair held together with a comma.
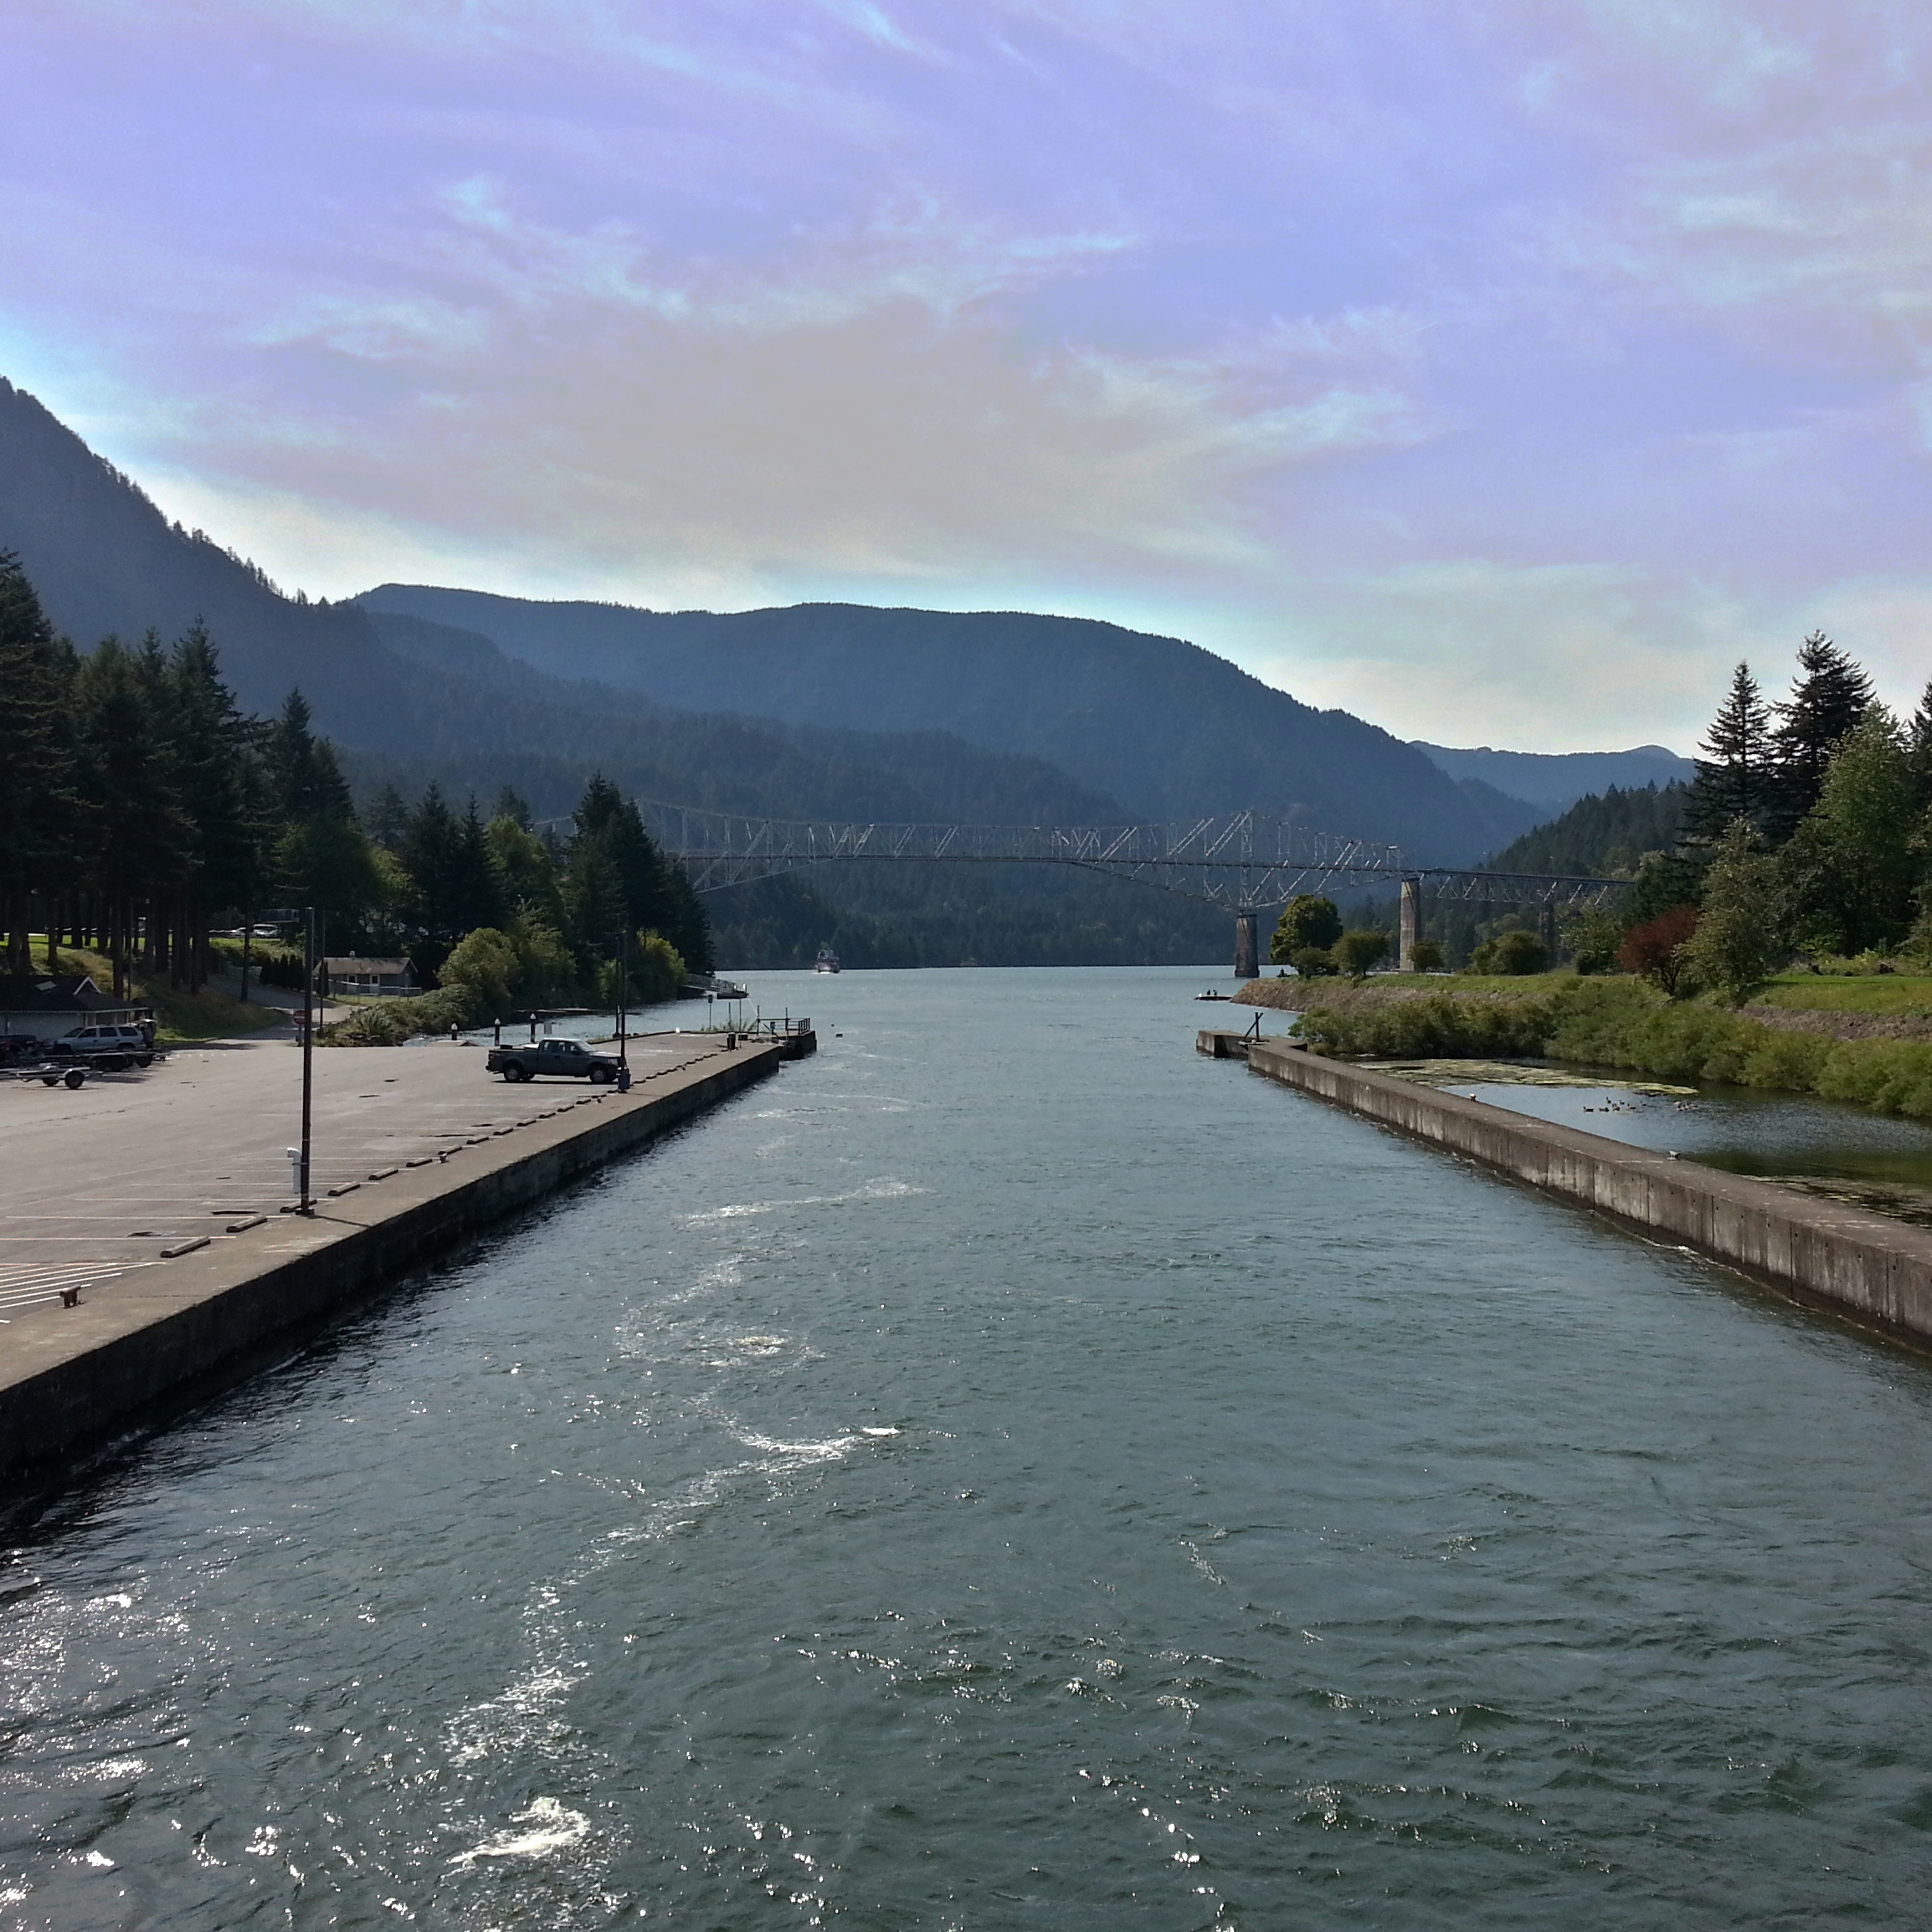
x: 304, y: 1204
x: 623, y: 996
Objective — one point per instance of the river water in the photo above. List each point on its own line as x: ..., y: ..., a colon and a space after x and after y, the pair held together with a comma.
x: 1007, y: 1471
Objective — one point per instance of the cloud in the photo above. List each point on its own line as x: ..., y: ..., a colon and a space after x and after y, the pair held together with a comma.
x: 871, y: 403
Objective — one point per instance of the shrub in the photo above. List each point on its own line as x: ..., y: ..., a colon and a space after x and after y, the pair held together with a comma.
x: 1512, y: 953
x: 484, y: 962
x: 1438, y: 1026
x: 1314, y: 963
x: 1356, y: 953
x: 1425, y: 956
x: 390, y: 1022
x: 1655, y: 950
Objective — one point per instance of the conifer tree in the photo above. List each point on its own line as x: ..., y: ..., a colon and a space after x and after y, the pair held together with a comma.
x: 1851, y: 868
x: 1918, y: 749
x: 1828, y: 701
x: 39, y: 805
x: 1736, y: 778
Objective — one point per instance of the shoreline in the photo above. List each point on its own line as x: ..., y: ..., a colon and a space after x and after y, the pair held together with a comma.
x: 74, y: 1377
x: 1863, y: 1266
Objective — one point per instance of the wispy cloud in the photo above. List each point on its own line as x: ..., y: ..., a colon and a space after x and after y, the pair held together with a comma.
x: 1504, y: 361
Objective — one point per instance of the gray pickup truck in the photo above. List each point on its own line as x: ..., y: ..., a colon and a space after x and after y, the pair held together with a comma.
x: 567, y: 1058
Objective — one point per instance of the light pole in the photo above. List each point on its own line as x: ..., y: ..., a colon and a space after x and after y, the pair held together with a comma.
x: 622, y: 995
x: 305, y: 1205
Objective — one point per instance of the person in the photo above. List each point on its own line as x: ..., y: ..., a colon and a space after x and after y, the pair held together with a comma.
x: 455, y: 1032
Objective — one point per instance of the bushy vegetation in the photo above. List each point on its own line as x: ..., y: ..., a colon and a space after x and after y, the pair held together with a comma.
x: 1431, y: 1026
x: 1628, y: 1024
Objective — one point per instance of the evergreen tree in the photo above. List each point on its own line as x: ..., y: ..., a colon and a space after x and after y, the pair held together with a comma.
x: 431, y: 850
x: 1829, y: 699
x: 1851, y: 868
x: 40, y: 807
x: 138, y: 852
x: 1736, y: 778
x: 387, y: 818
x: 616, y: 869
x: 1918, y: 749
x: 215, y: 775
x: 322, y: 857
x: 1740, y: 929
x: 477, y: 895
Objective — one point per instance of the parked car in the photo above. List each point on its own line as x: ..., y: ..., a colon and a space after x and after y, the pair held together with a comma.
x: 570, y: 1058
x: 112, y: 1048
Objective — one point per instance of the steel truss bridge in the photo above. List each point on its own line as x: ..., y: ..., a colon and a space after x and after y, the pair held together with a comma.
x: 1244, y: 861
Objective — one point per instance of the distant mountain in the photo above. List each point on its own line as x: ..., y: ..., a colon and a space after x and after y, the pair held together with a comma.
x: 419, y: 700
x: 1164, y: 726
x: 1552, y: 781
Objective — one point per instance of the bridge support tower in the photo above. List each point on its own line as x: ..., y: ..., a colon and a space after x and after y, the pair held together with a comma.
x: 1411, y: 926
x: 1247, y: 945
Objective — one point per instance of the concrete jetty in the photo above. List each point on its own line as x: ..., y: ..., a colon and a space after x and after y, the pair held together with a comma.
x: 147, y: 1252
x: 1872, y: 1270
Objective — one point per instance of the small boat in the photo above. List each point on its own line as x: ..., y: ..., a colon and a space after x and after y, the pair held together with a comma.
x: 827, y: 961
x: 1212, y: 994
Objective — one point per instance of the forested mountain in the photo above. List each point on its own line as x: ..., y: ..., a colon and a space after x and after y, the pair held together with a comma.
x: 1554, y: 781
x: 1167, y: 728
x: 1602, y: 836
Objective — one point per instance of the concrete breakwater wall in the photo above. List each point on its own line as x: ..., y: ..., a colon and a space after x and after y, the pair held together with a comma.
x: 1876, y: 1270
x: 72, y: 1377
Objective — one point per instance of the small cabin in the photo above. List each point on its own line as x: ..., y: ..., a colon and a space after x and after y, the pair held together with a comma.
x: 46, y: 1005
x: 367, y: 976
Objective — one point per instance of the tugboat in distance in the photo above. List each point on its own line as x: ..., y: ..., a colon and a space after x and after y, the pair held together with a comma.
x: 827, y: 962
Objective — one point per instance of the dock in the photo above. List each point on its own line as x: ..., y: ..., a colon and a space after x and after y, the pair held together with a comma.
x: 148, y: 1253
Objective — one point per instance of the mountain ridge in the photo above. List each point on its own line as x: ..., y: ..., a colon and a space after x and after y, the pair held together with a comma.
x: 1169, y: 728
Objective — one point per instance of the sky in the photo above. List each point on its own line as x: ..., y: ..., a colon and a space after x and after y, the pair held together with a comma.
x: 1502, y: 372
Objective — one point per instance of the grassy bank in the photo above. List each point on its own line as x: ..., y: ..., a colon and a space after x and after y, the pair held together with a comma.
x: 1624, y: 1024
x: 180, y: 1018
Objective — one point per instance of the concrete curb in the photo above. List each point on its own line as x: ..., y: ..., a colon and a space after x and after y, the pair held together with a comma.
x: 75, y: 1379
x: 1871, y: 1269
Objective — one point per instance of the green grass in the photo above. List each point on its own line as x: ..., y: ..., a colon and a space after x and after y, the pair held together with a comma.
x: 1884, y: 994
x: 180, y: 1018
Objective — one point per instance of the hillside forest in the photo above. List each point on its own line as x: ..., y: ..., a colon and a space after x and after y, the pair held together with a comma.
x: 141, y: 809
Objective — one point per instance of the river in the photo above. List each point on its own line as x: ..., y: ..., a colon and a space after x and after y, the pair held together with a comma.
x: 1006, y: 1471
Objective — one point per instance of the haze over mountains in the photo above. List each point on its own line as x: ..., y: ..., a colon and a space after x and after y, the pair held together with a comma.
x: 819, y: 709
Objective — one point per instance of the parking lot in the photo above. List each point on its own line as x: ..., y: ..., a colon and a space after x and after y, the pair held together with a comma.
x: 97, y: 1184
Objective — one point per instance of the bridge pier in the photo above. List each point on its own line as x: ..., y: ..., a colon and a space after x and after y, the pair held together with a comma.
x: 1410, y: 927
x: 1247, y: 945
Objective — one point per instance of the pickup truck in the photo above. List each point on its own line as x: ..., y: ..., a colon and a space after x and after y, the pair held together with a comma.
x: 570, y: 1058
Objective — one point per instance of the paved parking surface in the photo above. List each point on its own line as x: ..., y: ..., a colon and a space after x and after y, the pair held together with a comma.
x: 98, y: 1184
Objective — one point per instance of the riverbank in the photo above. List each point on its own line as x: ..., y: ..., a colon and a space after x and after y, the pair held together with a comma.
x: 1861, y: 1265
x: 1860, y: 1006
x: 1624, y: 1023
x: 160, y: 1205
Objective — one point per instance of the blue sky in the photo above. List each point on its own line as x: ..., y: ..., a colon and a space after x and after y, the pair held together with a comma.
x: 1502, y: 372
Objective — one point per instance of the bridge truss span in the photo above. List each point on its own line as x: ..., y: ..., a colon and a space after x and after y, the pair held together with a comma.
x: 1242, y: 861
x: 1245, y: 862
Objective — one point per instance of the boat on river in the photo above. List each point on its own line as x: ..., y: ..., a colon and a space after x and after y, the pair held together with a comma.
x: 826, y: 961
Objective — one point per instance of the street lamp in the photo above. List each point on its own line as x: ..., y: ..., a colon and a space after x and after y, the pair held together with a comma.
x: 305, y: 1205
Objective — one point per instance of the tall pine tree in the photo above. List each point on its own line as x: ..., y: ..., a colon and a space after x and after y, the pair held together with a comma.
x: 1828, y: 702
x: 39, y: 803
x: 1736, y: 777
